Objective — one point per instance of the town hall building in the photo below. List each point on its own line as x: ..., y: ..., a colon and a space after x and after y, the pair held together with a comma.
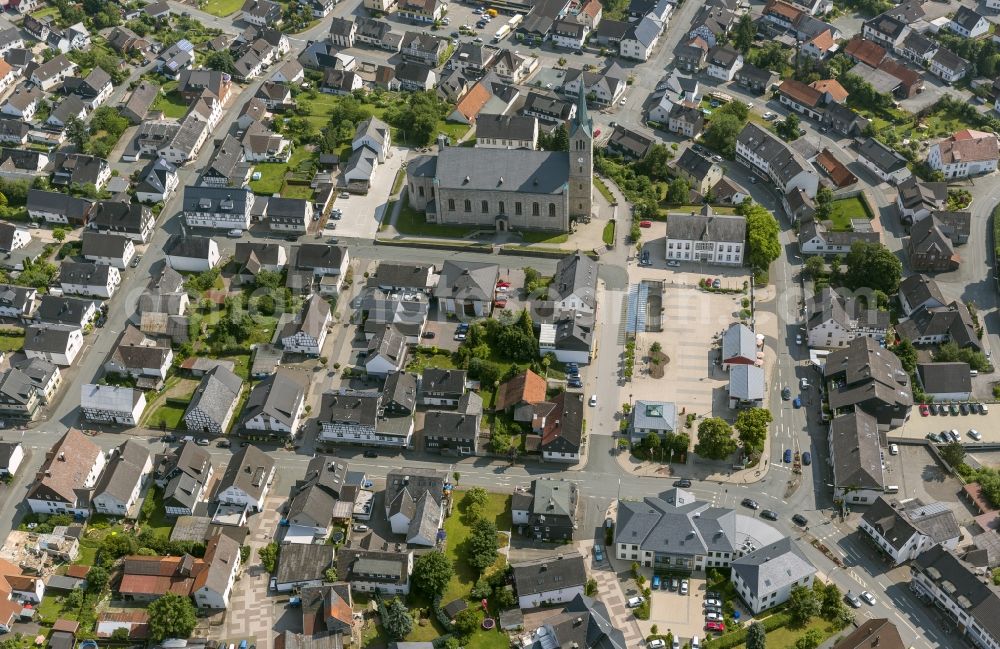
x: 508, y: 189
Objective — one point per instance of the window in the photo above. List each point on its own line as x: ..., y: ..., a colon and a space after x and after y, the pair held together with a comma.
x: 420, y: 191
x: 501, y: 208
x: 517, y: 208
x: 451, y: 204
x: 552, y: 209
x: 485, y: 207
x: 534, y: 209
x: 468, y: 205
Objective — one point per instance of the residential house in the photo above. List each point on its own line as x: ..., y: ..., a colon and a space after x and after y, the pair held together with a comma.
x: 421, y: 11
x: 371, y: 563
x: 706, y: 237
x: 929, y: 325
x: 765, y: 577
x: 289, y: 214
x: 69, y: 109
x: 13, y: 238
x: 343, y: 32
x: 19, y: 396
x: 686, y: 121
x: 547, y: 108
x: 414, y: 503
x: 422, y: 48
x: 128, y: 219
x: 157, y: 181
x: 140, y: 101
x: 373, y: 134
x: 724, y: 62
x: 867, y: 377
x: 883, y: 161
x: 302, y: 565
x: 310, y: 261
x: 690, y: 57
x: 506, y: 131
x: 916, y: 291
x: 117, y: 492
x: 23, y: 103
x: 754, y: 78
x: 214, y: 401
x: 53, y: 72
x: 11, y: 456
x: 701, y: 173
x: 308, y: 334
x: 276, y: 405
x: 771, y: 158
x: 93, y: 89
x: 67, y: 477
x: 801, y: 98
x: 228, y: 166
x: 630, y: 144
x: 845, y: 121
x: 466, y: 288
x: 945, y: 381
x: 968, y: 23
x: 917, y: 200
x: 176, y: 58
x: 605, y: 87
x: 549, y: 580
x: 966, y: 153
x: 834, y: 319
x: 65, y: 310
x: 386, y: 352
x: 711, y: 23
x: 561, y: 429
x: 58, y: 344
x: 929, y: 248
x: 815, y: 238
x: 948, y: 66
x: 191, y: 254
x: 247, y: 479
x: 547, y: 510
x: 370, y: 418
x: 221, y: 208
x: 513, y: 67
x: 328, y: 490
x: 442, y: 387
x: 184, y: 475
x: 80, y: 169
x: 92, y: 280
x: 214, y: 586
x: 109, y: 249
x: 14, y: 131
x: 261, y: 13
x: 455, y: 432
x: 141, y: 357
x: 17, y: 302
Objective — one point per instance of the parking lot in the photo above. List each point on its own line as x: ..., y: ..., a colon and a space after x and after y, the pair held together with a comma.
x: 679, y: 614
x: 362, y: 213
x: 918, y: 427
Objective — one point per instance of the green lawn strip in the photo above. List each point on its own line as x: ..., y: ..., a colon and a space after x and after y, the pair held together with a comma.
x: 11, y: 343
x: 412, y: 222
x: 171, y: 104
x: 421, y: 360
x: 169, y: 416
x: 544, y: 237
x: 241, y: 362
x: 605, y: 192
x: 221, y: 7
x: 290, y: 190
x: 845, y: 209
x: 397, y: 183
x: 457, y: 531
x: 158, y: 521
x: 786, y: 636
x: 272, y: 174
x: 608, y: 236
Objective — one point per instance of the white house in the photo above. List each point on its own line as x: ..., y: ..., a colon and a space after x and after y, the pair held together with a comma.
x: 108, y: 249
x: 640, y: 39
x: 276, y: 404
x: 92, y: 280
x: 724, y: 62
x: 883, y: 161
x: 220, y: 208
x: 966, y: 153
x: 856, y: 458
x: 111, y: 404
x: 247, y: 479
x: 308, y: 334
x: 117, y: 492
x: 904, y: 530
x: 833, y: 320
x: 222, y: 554
x: 386, y: 352
x: 765, y: 577
x: 57, y: 344
x: 11, y: 456
x: 968, y: 23
x: 549, y: 580
x: 70, y: 471
x: 766, y: 155
x: 374, y: 134
x: 945, y: 382
x: 706, y: 237
x: 191, y: 254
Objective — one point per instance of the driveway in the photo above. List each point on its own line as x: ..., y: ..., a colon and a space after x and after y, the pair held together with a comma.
x: 363, y: 213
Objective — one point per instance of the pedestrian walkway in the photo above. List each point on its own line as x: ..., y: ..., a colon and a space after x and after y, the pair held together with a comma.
x: 609, y: 591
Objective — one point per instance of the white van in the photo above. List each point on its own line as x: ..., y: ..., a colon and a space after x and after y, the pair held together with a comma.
x: 892, y: 489
x: 694, y: 643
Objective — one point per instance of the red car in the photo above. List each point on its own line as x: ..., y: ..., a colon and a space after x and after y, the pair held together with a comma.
x: 715, y: 626
x: 924, y: 410
x: 501, y: 282
x: 500, y: 304
x: 645, y: 224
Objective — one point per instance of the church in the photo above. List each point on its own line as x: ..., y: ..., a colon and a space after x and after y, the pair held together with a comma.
x: 508, y: 189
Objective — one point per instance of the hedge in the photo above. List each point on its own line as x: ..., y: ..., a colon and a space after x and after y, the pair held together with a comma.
x: 996, y: 235
x: 738, y: 637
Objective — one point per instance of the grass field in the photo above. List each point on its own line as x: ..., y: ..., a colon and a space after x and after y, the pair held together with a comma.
x: 608, y: 236
x: 272, y: 174
x: 11, y: 343
x: 412, y: 222
x: 172, y: 104
x: 605, y: 192
x: 544, y: 237
x: 397, y: 183
x: 221, y: 7
x: 845, y: 209
x: 288, y: 190
x: 158, y: 520
x: 166, y: 415
x: 497, y: 510
x: 419, y: 361
x: 786, y: 637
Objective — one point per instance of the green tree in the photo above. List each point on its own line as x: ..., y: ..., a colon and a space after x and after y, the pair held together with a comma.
x: 120, y: 634
x: 744, y: 34
x: 467, y: 621
x: 559, y: 140
x: 77, y: 133
x: 431, y: 573
x: 474, y: 502
x: 268, y: 556
x: 171, y: 616
x: 722, y: 132
x: 953, y: 454
x: 590, y: 589
x: 789, y: 127
x: 59, y: 234
x: 907, y: 354
x: 763, y: 244
x: 771, y: 56
x: 751, y: 425
x: 97, y: 579
x: 330, y: 575
x: 872, y: 265
x: 810, y: 640
x: 678, y: 191
x: 824, y: 203
x: 481, y: 546
x: 802, y: 604
x: 222, y: 61
x: 756, y: 636
x: 715, y: 439
x: 815, y: 267
x: 397, y: 620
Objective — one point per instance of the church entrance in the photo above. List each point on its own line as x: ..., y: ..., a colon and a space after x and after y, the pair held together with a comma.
x: 502, y: 224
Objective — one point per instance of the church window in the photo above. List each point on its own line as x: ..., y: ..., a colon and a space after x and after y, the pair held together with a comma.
x: 451, y: 204
x: 517, y: 208
x: 534, y: 209
x: 485, y: 207
x: 552, y: 209
x: 501, y: 208
x: 420, y: 191
x: 468, y: 205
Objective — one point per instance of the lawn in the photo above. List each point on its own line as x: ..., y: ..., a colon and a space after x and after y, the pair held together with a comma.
x: 11, y: 343
x: 46, y: 12
x: 221, y: 7
x: 154, y: 516
x: 412, y: 222
x: 786, y: 636
x: 544, y: 237
x: 397, y: 183
x: 168, y: 416
x: 296, y: 190
x: 497, y: 510
x: 421, y: 360
x: 272, y: 174
x: 605, y: 192
x: 171, y: 104
x: 845, y: 209
x: 608, y: 236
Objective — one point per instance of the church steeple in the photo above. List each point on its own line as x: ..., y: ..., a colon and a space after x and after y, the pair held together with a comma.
x: 582, y: 119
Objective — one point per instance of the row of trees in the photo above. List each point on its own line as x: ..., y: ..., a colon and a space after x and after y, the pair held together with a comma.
x: 715, y: 436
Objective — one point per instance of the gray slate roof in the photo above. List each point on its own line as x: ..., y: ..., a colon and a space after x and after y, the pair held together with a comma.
x: 216, y: 394
x: 856, y: 451
x: 548, y: 574
x: 123, y: 471
x: 695, y: 227
x: 773, y: 567
x: 522, y: 170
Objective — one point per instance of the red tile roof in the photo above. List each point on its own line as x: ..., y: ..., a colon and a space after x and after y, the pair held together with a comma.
x: 969, y: 146
x: 823, y: 41
x: 78, y: 572
x: 868, y: 52
x: 526, y: 387
x: 840, y: 174
x: 837, y: 92
x: 473, y: 102
x: 800, y: 92
x: 786, y: 11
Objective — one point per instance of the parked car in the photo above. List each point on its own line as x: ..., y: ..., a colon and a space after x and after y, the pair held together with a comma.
x: 168, y: 439
x: 924, y: 410
x: 713, y: 602
x: 656, y: 579
x: 787, y: 456
x: 203, y: 442
x: 359, y: 527
x: 223, y: 443
x: 893, y: 449
x: 574, y: 383
x: 593, y: 400
x: 868, y: 597
x: 718, y: 627
x: 944, y: 437
x: 935, y: 408
x: 428, y: 334
x: 673, y: 263
x: 797, y: 402
x: 964, y: 407
x: 769, y: 514
x: 798, y: 339
x: 807, y: 458
x: 656, y: 644
x: 853, y: 599
x: 975, y: 434
x: 717, y: 283
x: 344, y: 195
x: 953, y: 408
x: 984, y: 409
x: 801, y: 520
x: 713, y: 617
x: 371, y: 453
x: 683, y: 483
x: 645, y: 224
x: 635, y: 601
x: 786, y: 393
x: 803, y: 383
x: 751, y: 503
x: 598, y: 553
x: 684, y: 586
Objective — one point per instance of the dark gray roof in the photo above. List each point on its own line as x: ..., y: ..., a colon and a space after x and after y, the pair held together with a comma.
x: 746, y: 382
x: 963, y: 584
x: 530, y: 172
x: 654, y: 415
x: 694, y: 164
x: 966, y: 18
x: 72, y: 207
x: 267, y: 254
x: 16, y: 387
x: 471, y: 280
x: 120, y: 216
x: 511, y: 127
x: 843, y: 309
x: 62, y: 310
x: 402, y: 275
x: 949, y: 60
x: 217, y: 394
x: 75, y: 272
x: 867, y: 373
x: 938, y: 378
x: 210, y: 199
x: 453, y: 425
x: 276, y: 397
x: 77, y: 168
x: 918, y: 289
x: 446, y: 381
x: 537, y: 102
x: 857, y: 456
x: 318, y: 255
x: 953, y: 320
x: 249, y: 471
x: 350, y: 406
x: 551, y: 573
x: 576, y: 274
x: 553, y: 498
x: 773, y: 567
x: 784, y: 162
x: 96, y: 244
x: 585, y: 623
x: 123, y: 471
x: 883, y: 157
x: 645, y: 31
x: 181, y: 245
x: 724, y: 56
x: 695, y: 227
x: 897, y: 522
x: 48, y: 337
x: 301, y: 562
